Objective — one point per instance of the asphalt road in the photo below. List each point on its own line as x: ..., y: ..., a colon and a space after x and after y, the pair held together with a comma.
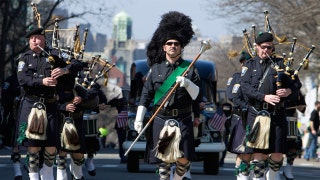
x: 108, y: 167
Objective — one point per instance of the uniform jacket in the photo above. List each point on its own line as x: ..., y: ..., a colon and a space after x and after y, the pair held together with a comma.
x: 159, y: 73
x: 33, y: 68
x: 251, y: 75
x: 234, y: 92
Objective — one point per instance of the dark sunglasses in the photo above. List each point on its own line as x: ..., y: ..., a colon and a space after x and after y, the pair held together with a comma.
x: 268, y: 47
x: 170, y: 43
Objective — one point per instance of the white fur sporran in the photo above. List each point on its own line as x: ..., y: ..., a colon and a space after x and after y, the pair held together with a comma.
x: 37, y: 122
x: 167, y: 148
x: 69, y: 135
x: 260, y: 132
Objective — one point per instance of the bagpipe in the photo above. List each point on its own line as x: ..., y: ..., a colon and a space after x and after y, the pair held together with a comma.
x: 36, y: 14
x: 281, y: 44
x: 289, y: 72
x: 67, y: 42
x: 286, y: 75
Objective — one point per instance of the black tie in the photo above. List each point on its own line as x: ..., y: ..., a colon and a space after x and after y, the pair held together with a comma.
x: 265, y: 65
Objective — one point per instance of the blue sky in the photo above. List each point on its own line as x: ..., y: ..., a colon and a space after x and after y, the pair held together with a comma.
x: 146, y: 15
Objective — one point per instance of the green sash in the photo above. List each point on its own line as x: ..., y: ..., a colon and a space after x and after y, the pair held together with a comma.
x: 170, y: 81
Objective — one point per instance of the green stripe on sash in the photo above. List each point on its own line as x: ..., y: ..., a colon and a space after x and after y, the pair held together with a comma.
x: 170, y: 81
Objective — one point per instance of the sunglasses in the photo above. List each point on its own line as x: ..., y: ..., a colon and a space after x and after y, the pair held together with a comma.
x: 268, y: 47
x: 170, y: 43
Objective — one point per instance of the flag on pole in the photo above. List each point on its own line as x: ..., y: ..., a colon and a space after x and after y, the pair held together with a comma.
x: 218, y: 120
x: 122, y: 119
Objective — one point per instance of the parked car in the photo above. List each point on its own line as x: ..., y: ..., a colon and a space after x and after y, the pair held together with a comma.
x: 211, y: 142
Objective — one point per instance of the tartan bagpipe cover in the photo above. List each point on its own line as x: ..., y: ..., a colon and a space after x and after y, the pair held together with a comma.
x: 218, y: 120
x: 122, y: 119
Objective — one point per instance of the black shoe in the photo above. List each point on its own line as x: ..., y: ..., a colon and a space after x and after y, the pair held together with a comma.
x: 92, y: 173
x: 286, y: 177
x: 185, y: 178
x: 18, y: 178
x: 123, y: 160
x: 73, y: 178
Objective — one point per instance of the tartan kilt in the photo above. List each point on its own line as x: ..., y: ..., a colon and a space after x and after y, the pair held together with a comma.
x: 237, y: 139
x: 186, y: 143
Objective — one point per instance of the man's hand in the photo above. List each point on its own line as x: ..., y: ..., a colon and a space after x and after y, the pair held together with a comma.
x: 71, y: 107
x: 138, y: 123
x: 283, y: 92
x: 314, y: 132
x: 49, y: 81
x: 272, y: 99
x: 57, y: 72
x: 77, y: 100
x: 184, y: 82
x: 196, y: 122
x: 192, y: 89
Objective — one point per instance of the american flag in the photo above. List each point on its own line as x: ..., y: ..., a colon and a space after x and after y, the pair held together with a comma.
x: 218, y: 120
x: 122, y: 119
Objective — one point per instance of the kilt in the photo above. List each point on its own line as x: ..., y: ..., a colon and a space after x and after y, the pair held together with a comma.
x: 278, y: 131
x: 52, y: 126
x: 187, y: 138
x: 236, y: 143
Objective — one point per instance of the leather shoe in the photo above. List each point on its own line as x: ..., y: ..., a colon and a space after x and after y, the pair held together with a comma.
x: 92, y: 173
x: 18, y: 178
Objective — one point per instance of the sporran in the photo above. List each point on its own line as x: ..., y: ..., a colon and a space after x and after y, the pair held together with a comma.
x: 259, y: 134
x: 69, y: 135
x: 37, y: 122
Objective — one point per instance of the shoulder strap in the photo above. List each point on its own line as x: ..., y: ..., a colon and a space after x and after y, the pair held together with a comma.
x: 170, y: 81
x: 263, y: 78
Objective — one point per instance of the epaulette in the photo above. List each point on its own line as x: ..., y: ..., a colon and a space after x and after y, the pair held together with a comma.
x: 21, y: 56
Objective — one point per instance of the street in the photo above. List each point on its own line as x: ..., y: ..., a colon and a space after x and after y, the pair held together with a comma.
x: 108, y: 167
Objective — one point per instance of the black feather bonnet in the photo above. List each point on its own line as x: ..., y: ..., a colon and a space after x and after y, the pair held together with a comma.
x: 174, y: 25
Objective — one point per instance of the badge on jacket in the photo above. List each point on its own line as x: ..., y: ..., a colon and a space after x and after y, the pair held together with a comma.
x: 235, y: 88
x: 229, y: 81
x: 243, y: 70
x: 21, y: 65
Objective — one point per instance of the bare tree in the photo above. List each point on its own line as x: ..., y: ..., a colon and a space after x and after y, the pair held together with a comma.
x: 294, y: 18
x: 291, y: 18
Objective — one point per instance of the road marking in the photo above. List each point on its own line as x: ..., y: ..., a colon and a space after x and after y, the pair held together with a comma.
x: 109, y: 166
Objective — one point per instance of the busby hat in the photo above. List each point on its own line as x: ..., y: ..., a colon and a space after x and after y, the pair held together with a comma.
x: 173, y: 25
x: 34, y: 31
x: 264, y: 37
x: 244, y: 56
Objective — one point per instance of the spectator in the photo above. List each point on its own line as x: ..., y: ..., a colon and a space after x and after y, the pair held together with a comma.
x: 313, y: 131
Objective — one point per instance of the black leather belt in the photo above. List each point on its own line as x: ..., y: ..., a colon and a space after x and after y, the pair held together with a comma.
x: 40, y: 99
x: 173, y: 112
x: 266, y: 106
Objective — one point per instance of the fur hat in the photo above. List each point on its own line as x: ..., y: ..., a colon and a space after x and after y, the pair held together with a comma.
x: 174, y: 25
x: 264, y: 37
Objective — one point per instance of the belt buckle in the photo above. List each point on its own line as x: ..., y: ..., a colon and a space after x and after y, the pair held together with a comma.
x: 265, y: 106
x: 175, y: 112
